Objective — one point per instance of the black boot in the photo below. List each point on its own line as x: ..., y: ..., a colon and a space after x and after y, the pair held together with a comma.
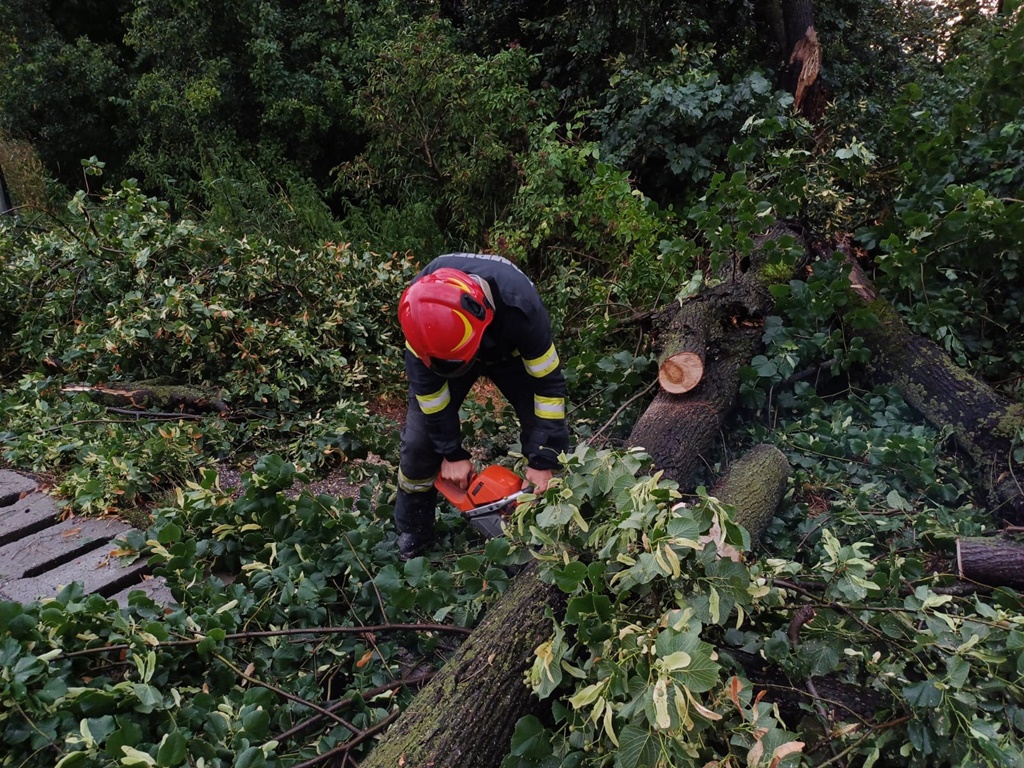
x: 414, y: 519
x: 412, y: 544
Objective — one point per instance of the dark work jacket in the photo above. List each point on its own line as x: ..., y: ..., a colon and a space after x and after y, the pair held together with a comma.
x: 521, y: 329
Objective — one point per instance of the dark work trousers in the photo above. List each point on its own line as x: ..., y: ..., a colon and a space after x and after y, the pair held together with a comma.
x: 419, y: 462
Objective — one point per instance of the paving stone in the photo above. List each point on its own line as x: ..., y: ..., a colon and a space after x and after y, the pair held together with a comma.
x: 98, y: 571
x: 13, y: 486
x: 56, y: 545
x: 26, y: 516
x: 40, y: 554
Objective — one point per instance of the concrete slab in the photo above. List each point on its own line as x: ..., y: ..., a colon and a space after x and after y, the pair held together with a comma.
x: 26, y: 516
x: 13, y: 486
x: 56, y: 545
x: 99, y: 571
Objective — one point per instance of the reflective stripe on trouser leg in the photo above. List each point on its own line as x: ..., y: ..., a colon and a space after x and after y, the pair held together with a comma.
x: 548, y: 407
x: 411, y: 485
x: 414, y: 512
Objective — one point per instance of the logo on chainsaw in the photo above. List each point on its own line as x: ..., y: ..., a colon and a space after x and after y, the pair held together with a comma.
x: 489, y: 498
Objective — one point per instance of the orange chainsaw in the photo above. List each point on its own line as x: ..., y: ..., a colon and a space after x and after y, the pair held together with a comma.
x: 489, y: 499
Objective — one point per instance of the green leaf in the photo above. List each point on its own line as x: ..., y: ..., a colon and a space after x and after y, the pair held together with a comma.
x: 530, y: 739
x: 701, y: 673
x: 149, y: 697
x: 638, y: 748
x: 136, y: 757
x: 923, y: 695
x: 589, y: 604
x: 169, y: 533
x: 173, y: 749
x: 569, y: 578
x: 72, y: 760
x: 819, y: 657
x: 251, y: 757
x: 388, y: 579
x: 497, y: 549
x: 101, y: 727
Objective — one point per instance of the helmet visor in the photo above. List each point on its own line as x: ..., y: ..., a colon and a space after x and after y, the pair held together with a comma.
x: 450, y: 369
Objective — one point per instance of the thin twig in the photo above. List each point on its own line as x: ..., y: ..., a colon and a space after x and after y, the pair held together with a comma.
x: 298, y: 728
x: 347, y: 746
x: 291, y: 697
x: 283, y: 632
x: 623, y: 407
x: 803, y: 615
x: 162, y: 415
x: 874, y: 728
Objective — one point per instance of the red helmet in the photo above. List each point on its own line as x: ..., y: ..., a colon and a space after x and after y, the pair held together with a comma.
x: 443, y: 317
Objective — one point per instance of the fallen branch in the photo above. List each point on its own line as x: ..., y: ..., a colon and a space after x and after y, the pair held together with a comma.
x: 280, y: 633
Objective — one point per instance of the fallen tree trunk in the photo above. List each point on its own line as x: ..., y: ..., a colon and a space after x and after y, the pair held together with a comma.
x: 984, y: 423
x: 466, y: 715
x: 993, y: 562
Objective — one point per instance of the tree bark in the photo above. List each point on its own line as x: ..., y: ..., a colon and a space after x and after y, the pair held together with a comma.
x: 984, y: 424
x: 754, y: 485
x: 5, y: 196
x: 993, y: 562
x: 465, y: 717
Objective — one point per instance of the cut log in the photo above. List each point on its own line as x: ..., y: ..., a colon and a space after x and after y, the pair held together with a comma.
x: 754, y: 485
x: 681, y: 372
x: 984, y: 423
x: 994, y: 562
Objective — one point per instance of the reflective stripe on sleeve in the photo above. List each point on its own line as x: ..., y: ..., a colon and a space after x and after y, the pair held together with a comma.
x: 436, y: 402
x: 414, y: 486
x: 543, y: 365
x: 549, y: 407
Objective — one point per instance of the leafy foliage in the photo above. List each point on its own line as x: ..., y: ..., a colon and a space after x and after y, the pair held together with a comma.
x: 958, y: 213
x: 444, y: 127
x: 621, y: 162
x: 125, y: 288
x: 194, y: 681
